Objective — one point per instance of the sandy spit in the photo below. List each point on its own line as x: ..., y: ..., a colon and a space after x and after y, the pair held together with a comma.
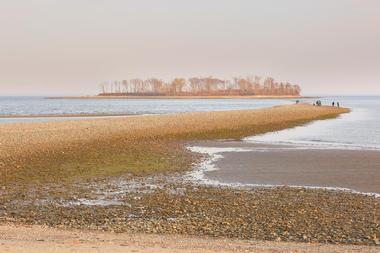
x: 68, y: 144
x: 18, y: 138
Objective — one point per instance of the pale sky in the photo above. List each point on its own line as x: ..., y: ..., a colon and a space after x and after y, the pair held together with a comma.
x: 68, y: 47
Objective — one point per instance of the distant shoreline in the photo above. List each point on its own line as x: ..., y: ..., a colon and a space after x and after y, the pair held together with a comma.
x: 63, y: 115
x: 178, y: 97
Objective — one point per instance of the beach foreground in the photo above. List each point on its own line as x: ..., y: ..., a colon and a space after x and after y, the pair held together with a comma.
x: 37, y: 239
x: 131, y: 175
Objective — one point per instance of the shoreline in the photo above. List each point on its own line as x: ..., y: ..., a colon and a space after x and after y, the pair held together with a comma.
x: 180, y: 97
x: 93, y: 140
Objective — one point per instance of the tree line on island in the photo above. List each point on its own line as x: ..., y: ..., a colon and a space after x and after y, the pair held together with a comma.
x: 200, y: 86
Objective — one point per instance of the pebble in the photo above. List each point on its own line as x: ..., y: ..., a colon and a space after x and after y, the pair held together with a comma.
x: 261, y: 214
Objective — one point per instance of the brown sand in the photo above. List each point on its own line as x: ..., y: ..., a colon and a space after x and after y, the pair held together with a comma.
x: 46, y: 145
x: 18, y: 137
x: 38, y: 239
x: 28, y: 147
x: 353, y: 169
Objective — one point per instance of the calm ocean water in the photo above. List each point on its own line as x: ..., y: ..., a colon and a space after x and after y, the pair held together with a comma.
x: 359, y: 129
x: 40, y: 105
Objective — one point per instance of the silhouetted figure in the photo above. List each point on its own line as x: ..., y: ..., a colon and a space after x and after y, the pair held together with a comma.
x: 337, y: 104
x: 333, y: 104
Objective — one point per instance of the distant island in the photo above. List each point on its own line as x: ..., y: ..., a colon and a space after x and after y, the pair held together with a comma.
x: 200, y: 87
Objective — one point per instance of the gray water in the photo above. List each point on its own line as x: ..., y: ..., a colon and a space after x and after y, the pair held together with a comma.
x: 341, y: 154
x: 41, y: 106
x: 359, y: 129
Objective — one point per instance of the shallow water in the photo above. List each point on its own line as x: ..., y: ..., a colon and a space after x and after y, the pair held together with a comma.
x: 238, y: 164
x: 337, y: 154
x: 359, y: 129
x: 42, y: 106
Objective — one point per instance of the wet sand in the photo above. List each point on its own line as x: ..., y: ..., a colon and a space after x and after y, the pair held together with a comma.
x: 358, y: 170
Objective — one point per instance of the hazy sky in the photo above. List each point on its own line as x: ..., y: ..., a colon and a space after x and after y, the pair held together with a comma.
x: 69, y: 46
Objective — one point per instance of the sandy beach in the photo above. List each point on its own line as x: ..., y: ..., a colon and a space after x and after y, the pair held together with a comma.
x: 131, y: 175
x: 190, y: 126
x: 37, y: 239
x: 123, y: 144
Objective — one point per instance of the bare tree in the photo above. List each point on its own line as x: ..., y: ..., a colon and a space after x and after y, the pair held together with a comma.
x: 177, y: 85
x: 251, y: 85
x: 157, y: 85
x: 195, y: 85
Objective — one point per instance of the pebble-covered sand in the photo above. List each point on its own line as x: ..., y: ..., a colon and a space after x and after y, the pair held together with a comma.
x: 173, y: 206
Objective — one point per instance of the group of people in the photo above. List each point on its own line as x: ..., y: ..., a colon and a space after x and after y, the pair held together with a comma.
x: 319, y: 103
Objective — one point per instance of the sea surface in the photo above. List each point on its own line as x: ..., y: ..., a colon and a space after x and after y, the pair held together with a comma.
x: 43, y: 106
x: 359, y: 129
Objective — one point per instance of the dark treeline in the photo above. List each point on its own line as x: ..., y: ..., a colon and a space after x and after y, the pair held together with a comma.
x: 200, y: 86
